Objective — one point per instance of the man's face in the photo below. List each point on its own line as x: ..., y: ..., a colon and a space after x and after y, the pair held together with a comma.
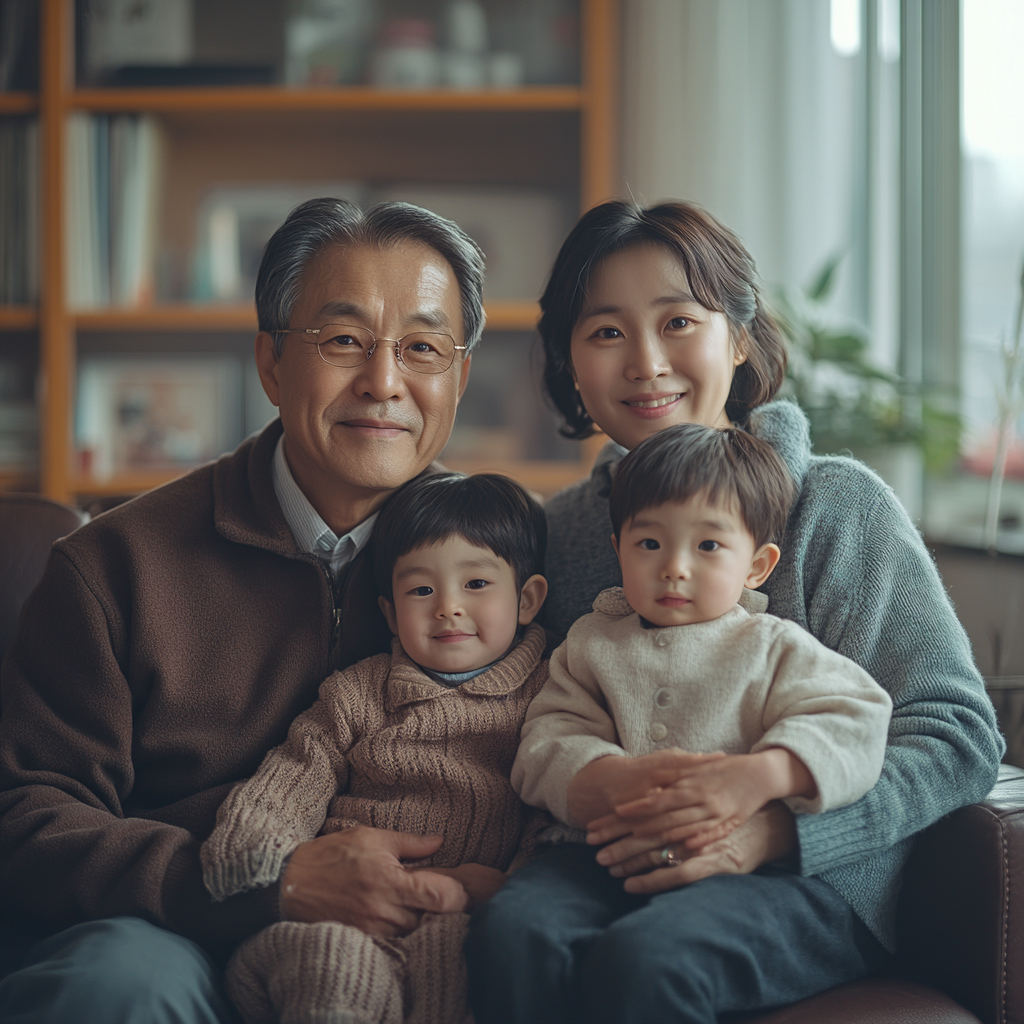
x: 354, y: 434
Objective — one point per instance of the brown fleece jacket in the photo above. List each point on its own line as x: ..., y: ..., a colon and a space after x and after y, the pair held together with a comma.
x: 169, y: 645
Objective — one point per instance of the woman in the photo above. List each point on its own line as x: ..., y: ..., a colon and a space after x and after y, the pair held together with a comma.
x: 651, y: 318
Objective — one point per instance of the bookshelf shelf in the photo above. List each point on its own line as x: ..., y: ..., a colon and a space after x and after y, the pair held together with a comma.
x: 543, y: 477
x: 560, y: 138
x: 501, y: 316
x: 183, y: 317
x: 17, y: 480
x: 124, y: 483
x: 270, y: 98
x: 511, y: 316
x: 18, y: 318
x: 18, y: 103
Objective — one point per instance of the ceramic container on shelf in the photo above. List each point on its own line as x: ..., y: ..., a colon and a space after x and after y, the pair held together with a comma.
x: 464, y: 62
x: 325, y: 41
x: 407, y: 55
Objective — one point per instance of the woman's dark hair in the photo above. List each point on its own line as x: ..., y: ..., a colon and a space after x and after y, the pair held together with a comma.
x: 721, y: 276
x: 727, y: 465
x: 488, y: 510
x: 318, y: 223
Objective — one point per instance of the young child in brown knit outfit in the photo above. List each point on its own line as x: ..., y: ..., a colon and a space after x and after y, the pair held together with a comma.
x: 421, y: 740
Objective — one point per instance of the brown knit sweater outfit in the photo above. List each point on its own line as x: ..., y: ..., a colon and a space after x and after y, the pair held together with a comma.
x: 384, y: 746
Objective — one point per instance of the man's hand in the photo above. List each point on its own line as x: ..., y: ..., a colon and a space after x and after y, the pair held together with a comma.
x: 480, y: 882
x: 768, y: 835
x: 603, y: 784
x: 710, y: 800
x: 357, y: 877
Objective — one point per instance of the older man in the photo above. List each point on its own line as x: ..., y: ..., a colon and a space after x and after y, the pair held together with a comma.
x: 172, y: 640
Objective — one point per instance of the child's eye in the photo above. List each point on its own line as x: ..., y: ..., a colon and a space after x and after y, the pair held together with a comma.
x: 422, y: 591
x: 649, y: 544
x: 708, y: 545
x: 476, y: 584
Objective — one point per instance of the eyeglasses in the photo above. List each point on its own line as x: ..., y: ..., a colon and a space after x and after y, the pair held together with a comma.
x: 344, y: 345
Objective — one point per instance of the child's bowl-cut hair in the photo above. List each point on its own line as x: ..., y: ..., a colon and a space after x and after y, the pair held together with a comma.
x: 488, y: 510
x: 681, y: 461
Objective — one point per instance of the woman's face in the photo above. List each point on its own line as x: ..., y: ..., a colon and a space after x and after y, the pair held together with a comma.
x: 645, y: 353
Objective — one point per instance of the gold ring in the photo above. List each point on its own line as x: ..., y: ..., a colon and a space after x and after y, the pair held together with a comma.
x: 668, y: 858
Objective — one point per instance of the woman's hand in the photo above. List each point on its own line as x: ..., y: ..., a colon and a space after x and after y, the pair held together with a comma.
x: 768, y: 835
x: 610, y: 781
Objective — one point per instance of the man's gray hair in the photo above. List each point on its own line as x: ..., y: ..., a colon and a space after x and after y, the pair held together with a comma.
x: 318, y: 223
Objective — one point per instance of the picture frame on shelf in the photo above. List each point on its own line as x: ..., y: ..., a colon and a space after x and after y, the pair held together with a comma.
x: 235, y: 223
x: 520, y: 229
x: 159, y: 413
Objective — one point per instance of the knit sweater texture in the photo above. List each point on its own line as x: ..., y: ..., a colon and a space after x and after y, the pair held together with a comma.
x: 169, y: 645
x: 855, y: 573
x: 740, y: 683
x: 387, y: 746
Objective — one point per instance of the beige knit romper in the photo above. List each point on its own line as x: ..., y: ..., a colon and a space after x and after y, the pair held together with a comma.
x: 384, y: 746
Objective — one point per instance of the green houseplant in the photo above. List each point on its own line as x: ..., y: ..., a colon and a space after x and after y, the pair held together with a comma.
x: 854, y: 406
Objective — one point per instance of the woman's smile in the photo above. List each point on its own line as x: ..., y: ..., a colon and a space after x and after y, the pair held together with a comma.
x: 654, y: 408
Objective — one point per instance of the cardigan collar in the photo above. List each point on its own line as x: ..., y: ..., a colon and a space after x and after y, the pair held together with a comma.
x: 407, y: 683
x: 613, y: 602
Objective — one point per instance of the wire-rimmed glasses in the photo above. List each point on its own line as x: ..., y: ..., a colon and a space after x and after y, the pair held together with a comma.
x: 345, y: 345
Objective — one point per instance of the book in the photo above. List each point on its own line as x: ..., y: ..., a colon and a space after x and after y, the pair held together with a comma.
x: 114, y: 188
x: 19, y: 211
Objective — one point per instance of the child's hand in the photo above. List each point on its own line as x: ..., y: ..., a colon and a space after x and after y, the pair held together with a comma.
x: 480, y: 882
x: 596, y: 789
x: 710, y: 800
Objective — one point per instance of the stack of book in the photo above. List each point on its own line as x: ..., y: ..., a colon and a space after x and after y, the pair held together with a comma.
x: 113, y: 196
x: 19, y: 211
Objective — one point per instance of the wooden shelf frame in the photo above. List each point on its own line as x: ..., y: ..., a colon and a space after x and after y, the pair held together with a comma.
x: 594, y: 100
x: 501, y: 316
x: 18, y: 318
x: 18, y: 103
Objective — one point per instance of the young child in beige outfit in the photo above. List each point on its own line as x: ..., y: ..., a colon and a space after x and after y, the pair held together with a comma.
x: 683, y: 655
x: 421, y: 740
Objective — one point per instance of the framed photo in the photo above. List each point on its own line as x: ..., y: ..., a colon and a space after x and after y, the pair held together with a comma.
x: 519, y: 229
x: 160, y: 413
x: 235, y: 223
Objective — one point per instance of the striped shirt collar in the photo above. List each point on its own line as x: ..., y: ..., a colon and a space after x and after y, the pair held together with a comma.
x: 311, y: 533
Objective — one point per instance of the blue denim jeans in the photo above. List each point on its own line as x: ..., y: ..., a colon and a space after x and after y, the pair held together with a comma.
x: 116, y: 971
x: 562, y: 942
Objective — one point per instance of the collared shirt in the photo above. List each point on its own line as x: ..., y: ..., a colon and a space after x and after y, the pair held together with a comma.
x: 311, y: 533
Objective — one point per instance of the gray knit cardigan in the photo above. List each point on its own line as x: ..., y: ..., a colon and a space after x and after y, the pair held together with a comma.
x: 855, y: 573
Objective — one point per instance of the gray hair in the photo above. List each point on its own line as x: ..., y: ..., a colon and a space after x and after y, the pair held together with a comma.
x: 318, y: 223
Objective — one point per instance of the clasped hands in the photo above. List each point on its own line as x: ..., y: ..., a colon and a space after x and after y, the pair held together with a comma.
x: 709, y: 809
x: 697, y: 803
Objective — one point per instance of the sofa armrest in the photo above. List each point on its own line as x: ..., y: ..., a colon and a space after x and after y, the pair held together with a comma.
x: 960, y: 922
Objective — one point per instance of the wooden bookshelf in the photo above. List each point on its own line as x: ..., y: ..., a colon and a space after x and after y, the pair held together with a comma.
x: 217, y: 132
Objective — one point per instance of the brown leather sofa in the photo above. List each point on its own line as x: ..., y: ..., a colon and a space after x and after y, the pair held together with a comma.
x: 29, y: 525
x: 961, y: 912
